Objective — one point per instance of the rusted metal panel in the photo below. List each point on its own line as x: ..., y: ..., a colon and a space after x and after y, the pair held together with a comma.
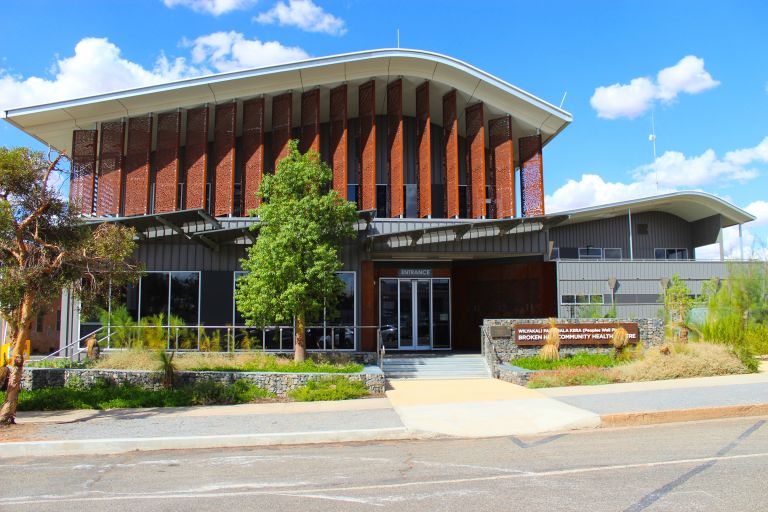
x: 503, y: 173
x: 253, y: 151
x: 83, y: 174
x: 137, y: 160
x: 109, y: 194
x: 310, y: 121
x: 367, y: 118
x: 424, y: 154
x: 196, y: 157
x: 338, y: 139
x: 451, y: 154
x: 224, y: 133
x: 531, y: 176
x: 167, y: 162
x: 282, y: 115
x: 476, y: 160
x: 395, y: 141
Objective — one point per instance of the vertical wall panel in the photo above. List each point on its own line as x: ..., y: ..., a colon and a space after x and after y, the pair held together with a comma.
x: 253, y: 151
x: 502, y: 153
x: 531, y: 176
x: 110, y: 181
x: 338, y: 136
x: 167, y: 162
x: 476, y: 160
x: 282, y: 115
x: 310, y: 121
x: 395, y: 142
x: 137, y: 159
x: 82, y: 181
x: 196, y: 157
x: 423, y: 137
x: 367, y: 119
x: 451, y: 155
x: 224, y: 133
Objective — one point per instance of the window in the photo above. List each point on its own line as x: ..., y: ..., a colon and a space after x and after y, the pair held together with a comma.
x: 590, y: 253
x: 670, y: 254
x: 58, y: 320
x: 612, y: 254
x: 40, y: 318
x: 170, y: 293
x: 555, y: 254
x: 642, y: 229
x: 582, y: 299
x: 382, y: 201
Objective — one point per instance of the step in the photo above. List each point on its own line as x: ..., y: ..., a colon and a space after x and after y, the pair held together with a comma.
x: 446, y: 367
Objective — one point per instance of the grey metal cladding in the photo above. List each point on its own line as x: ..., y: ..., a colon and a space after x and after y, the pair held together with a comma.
x: 664, y: 231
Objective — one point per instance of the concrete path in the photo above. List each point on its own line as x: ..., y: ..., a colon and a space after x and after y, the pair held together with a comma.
x: 482, y: 408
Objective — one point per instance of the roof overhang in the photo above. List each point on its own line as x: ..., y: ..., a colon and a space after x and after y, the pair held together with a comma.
x: 690, y: 206
x: 53, y: 123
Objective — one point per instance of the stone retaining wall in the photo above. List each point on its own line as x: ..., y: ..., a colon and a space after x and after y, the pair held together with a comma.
x: 502, y: 350
x: 275, y: 382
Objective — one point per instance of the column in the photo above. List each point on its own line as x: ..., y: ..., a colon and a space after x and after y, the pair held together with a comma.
x: 253, y: 152
x: 531, y: 176
x: 224, y: 134
x: 196, y: 158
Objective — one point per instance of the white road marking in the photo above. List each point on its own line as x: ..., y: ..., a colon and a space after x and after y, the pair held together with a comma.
x: 314, y: 492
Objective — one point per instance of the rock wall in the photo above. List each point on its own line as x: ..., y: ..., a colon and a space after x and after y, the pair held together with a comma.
x: 498, y: 350
x: 275, y: 382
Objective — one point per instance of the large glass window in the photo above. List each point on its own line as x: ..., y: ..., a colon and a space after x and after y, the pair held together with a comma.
x: 185, y: 292
x: 154, y: 294
x: 671, y: 254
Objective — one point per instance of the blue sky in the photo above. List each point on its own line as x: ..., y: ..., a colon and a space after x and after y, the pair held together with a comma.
x: 700, y: 67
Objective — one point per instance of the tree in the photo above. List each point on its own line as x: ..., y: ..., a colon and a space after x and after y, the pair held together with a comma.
x: 45, y: 247
x: 291, y: 266
x: 678, y: 303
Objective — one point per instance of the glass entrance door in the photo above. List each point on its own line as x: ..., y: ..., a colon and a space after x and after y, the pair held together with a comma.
x: 414, y: 314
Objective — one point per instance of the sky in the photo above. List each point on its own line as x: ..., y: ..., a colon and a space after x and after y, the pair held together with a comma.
x: 695, y: 70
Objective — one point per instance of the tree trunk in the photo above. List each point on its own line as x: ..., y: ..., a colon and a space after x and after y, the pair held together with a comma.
x: 299, y: 343
x: 8, y: 411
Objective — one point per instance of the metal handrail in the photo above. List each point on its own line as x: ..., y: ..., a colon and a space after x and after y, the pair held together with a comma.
x: 77, y: 342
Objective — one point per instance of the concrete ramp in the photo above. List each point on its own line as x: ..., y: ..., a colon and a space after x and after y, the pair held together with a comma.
x: 482, y: 408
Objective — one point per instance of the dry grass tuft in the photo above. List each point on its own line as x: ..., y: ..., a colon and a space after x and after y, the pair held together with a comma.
x: 127, y: 360
x: 683, y: 361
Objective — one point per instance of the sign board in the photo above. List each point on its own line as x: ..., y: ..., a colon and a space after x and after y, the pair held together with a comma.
x: 6, y: 351
x: 533, y: 335
x: 414, y: 272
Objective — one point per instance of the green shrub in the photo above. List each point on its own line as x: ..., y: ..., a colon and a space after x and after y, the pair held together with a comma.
x: 336, y: 388
x: 569, y: 361
x: 103, y: 396
x: 58, y: 363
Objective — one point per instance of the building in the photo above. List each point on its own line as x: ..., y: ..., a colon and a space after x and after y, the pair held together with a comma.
x: 444, y: 161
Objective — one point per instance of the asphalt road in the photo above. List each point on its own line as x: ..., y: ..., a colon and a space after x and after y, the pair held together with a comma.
x: 715, y: 465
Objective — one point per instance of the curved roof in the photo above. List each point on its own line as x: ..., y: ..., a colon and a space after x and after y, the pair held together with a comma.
x: 53, y: 123
x: 689, y: 205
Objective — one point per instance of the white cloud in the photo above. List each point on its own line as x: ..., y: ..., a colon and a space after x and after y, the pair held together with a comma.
x: 229, y: 51
x: 760, y: 210
x: 97, y: 67
x: 633, y: 99
x: 750, y: 245
x: 669, y: 172
x: 304, y: 14
x: 215, y: 7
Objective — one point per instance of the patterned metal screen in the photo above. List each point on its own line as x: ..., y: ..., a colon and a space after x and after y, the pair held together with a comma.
x: 137, y: 159
x: 338, y: 139
x: 82, y: 181
x: 196, y: 158
x: 282, y: 117
x: 503, y: 173
x: 451, y: 155
x: 167, y: 162
x: 253, y: 151
x: 531, y: 176
x: 424, y: 154
x: 109, y: 192
x: 367, y: 117
x: 395, y: 142
x: 310, y: 121
x: 476, y: 160
x: 224, y: 133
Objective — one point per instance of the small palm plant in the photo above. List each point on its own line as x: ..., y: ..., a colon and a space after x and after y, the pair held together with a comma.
x: 551, y: 349
x: 167, y: 367
x: 619, y: 340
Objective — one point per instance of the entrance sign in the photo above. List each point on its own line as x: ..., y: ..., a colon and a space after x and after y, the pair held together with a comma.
x: 533, y: 335
x: 414, y: 272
